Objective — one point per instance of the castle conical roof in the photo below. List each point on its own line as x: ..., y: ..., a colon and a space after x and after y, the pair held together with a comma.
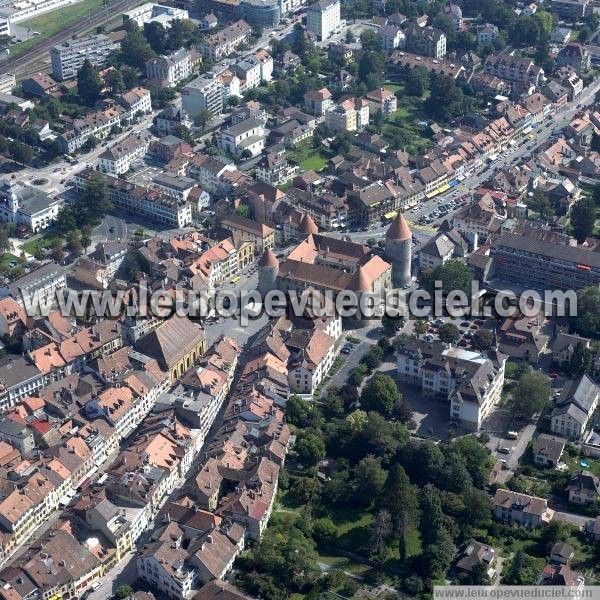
x: 399, y: 229
x: 360, y: 282
x: 307, y: 225
x: 268, y: 259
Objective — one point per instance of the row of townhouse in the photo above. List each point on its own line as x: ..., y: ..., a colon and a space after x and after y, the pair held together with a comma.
x: 119, y: 158
x: 229, y: 498
x: 119, y: 507
x: 98, y: 124
x: 87, y: 437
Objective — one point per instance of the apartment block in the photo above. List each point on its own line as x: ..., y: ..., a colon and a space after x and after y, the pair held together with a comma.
x: 68, y: 57
x: 323, y: 18
x: 168, y: 70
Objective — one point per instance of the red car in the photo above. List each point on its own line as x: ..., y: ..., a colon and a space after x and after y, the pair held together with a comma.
x: 554, y: 375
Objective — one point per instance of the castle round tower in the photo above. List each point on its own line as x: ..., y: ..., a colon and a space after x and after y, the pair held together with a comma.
x: 268, y: 267
x: 398, y: 240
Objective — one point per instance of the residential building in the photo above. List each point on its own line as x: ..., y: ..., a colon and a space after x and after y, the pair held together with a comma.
x: 28, y: 206
x: 547, y: 450
x: 475, y: 554
x: 246, y: 137
x: 203, y: 93
x: 96, y: 124
x: 118, y: 159
x: 529, y: 511
x: 151, y: 203
x: 318, y: 102
x: 157, y: 13
x: 68, y: 57
x: 224, y: 42
x: 442, y: 247
x: 383, y: 100
x: 7, y: 81
x: 247, y: 230
x: 168, y: 70
x: 564, y: 344
x: 574, y: 408
x: 275, y: 169
x: 392, y: 37
x: 323, y: 18
x: 544, y: 264
x: 575, y: 56
x: 570, y: 9
x: 40, y: 84
x: 36, y: 285
x: 471, y: 382
x: 583, y: 488
x: 486, y: 33
x: 169, y: 119
x: 427, y: 41
x: 510, y: 67
x: 349, y: 115
x: 136, y: 101
x: 19, y: 378
x: 454, y: 13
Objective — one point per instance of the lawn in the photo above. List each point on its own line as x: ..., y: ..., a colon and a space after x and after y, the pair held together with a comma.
x: 51, y: 22
x: 45, y: 239
x: 308, y: 158
x: 7, y: 259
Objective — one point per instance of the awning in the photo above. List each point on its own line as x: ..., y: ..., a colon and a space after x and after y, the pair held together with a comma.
x: 453, y: 183
x: 391, y: 215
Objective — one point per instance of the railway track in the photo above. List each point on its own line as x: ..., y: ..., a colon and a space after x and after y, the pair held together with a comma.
x: 18, y: 64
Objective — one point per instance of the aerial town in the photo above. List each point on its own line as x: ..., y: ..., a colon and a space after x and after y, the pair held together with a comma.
x: 152, y: 155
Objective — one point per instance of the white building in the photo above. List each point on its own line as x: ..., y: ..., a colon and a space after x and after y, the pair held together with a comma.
x: 168, y: 70
x: 323, y: 18
x: 158, y: 13
x: 4, y: 26
x: 68, y: 57
x: 471, y: 382
x: 137, y: 101
x: 118, y: 159
x: 203, y: 93
x: 248, y: 135
x: 314, y: 356
x: 574, y: 408
x: 23, y: 204
x: 7, y: 82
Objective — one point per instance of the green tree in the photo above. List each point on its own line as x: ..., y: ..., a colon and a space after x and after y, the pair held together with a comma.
x: 368, y: 479
x: 530, y: 395
x: 89, y: 83
x: 203, y: 118
x: 123, y: 592
x: 587, y: 320
x: 380, y: 394
x: 135, y: 50
x: 400, y: 497
x: 96, y: 199
x: 305, y: 489
x: 310, y: 448
x: 296, y: 411
x: 482, y: 339
x: 39, y: 252
x: 5, y: 244
x: 21, y: 153
x: 446, y: 99
x: 449, y: 333
x: 583, y: 217
x: 417, y: 81
x: 453, y: 275
x: 581, y: 360
x: 420, y: 327
x: 243, y: 210
x: 324, y: 531
x: 114, y: 80
x: 540, y: 203
x: 156, y: 35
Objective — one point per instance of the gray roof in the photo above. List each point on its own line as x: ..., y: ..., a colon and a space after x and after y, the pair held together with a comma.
x: 14, y: 370
x: 549, y: 446
x: 549, y: 249
x: 31, y: 280
x: 10, y: 427
x: 577, y: 399
x: 243, y: 126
